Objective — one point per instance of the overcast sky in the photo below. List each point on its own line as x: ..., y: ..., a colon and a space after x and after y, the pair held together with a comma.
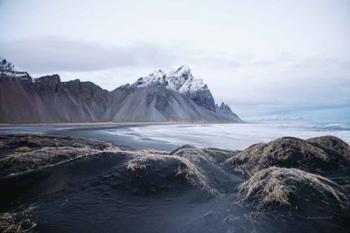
x: 269, y: 58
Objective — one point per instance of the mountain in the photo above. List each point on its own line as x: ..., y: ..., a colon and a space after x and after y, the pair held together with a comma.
x: 225, y: 111
x: 73, y: 100
x: 181, y: 81
x: 158, y: 97
x: 167, y: 96
x: 47, y: 99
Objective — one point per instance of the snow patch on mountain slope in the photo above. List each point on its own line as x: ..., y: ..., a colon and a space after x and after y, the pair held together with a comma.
x: 157, y: 77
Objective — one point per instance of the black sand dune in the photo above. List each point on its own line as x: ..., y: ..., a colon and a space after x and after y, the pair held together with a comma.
x: 67, y: 184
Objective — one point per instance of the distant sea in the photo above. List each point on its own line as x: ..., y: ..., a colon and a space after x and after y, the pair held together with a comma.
x: 168, y: 137
x: 233, y: 136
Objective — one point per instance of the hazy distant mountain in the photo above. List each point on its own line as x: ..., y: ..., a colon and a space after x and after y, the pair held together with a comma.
x: 160, y: 96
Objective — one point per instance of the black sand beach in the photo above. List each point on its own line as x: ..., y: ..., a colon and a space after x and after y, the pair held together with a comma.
x: 68, y: 184
x: 92, y: 131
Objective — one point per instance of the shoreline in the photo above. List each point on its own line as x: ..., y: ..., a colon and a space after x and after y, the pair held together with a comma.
x: 119, y: 123
x: 168, y: 135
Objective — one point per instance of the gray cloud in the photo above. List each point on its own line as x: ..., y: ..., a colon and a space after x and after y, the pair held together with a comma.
x: 54, y: 54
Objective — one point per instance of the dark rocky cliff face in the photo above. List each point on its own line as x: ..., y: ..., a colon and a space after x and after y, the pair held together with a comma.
x: 73, y: 100
x: 48, y: 100
x: 203, y: 98
x: 197, y: 91
x: 158, y: 103
x: 19, y: 103
x: 48, y: 83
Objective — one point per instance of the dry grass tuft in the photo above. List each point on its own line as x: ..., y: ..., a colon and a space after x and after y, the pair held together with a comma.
x: 167, y: 167
x: 23, y: 149
x: 3, y: 145
x: 290, y: 153
x: 274, y: 187
x: 17, y: 222
x: 332, y: 145
x: 23, y: 160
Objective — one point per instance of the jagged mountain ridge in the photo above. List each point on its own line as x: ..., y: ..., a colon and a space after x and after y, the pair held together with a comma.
x: 174, y: 96
x: 225, y: 110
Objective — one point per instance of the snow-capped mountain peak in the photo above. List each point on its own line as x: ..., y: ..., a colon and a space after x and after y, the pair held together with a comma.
x: 180, y: 80
x: 6, y: 66
x: 8, y: 69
